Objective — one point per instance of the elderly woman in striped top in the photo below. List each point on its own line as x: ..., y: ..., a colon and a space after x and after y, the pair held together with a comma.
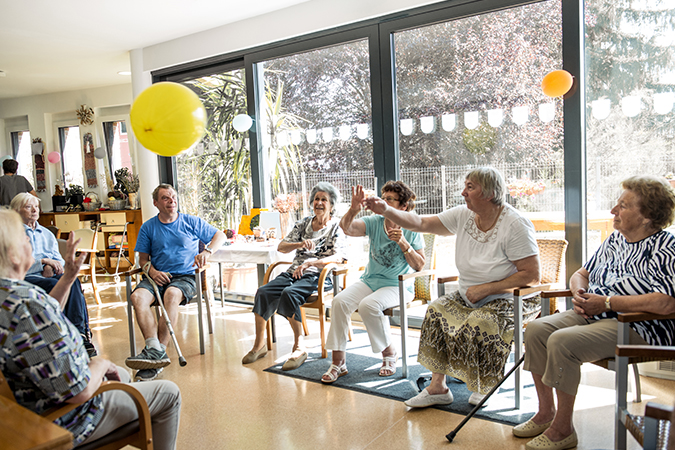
x: 632, y: 271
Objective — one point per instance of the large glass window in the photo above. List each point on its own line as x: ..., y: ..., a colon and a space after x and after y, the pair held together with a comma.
x: 630, y: 54
x: 117, y: 145
x: 22, y: 149
x: 468, y: 94
x: 318, y: 121
x: 214, y: 176
x: 71, y: 156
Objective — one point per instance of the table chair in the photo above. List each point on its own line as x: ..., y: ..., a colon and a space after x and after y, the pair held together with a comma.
x: 200, y: 275
x: 551, y: 257
x: 136, y: 434
x: 655, y: 429
x: 318, y: 300
x: 625, y: 355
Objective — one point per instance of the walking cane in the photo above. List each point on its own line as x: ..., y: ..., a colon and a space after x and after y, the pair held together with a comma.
x: 181, y: 360
x: 450, y: 436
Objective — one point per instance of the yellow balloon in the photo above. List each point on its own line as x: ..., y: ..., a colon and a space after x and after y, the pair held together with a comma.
x: 557, y: 83
x: 168, y: 118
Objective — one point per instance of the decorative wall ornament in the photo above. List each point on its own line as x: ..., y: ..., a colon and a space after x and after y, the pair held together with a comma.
x: 37, y: 146
x: 86, y: 115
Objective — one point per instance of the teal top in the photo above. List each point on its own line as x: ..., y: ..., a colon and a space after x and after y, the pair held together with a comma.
x: 387, y: 260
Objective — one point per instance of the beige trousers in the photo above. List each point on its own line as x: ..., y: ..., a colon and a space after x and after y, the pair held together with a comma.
x: 557, y: 345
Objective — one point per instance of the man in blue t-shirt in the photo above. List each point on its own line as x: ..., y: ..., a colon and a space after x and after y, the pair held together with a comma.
x: 168, y: 247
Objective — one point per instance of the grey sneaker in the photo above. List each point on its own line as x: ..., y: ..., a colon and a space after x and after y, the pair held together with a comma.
x: 148, y: 358
x: 147, y: 374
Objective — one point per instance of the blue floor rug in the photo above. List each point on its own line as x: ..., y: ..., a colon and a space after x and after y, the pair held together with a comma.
x: 363, y: 377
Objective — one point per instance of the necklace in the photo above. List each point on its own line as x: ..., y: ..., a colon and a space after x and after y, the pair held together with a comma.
x: 478, y: 222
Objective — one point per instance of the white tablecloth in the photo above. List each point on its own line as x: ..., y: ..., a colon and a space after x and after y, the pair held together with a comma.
x: 250, y: 252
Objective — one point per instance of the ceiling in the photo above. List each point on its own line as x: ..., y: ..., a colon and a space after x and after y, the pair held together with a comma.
x: 52, y: 46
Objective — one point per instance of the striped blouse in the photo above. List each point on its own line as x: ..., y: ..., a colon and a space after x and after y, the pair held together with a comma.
x: 620, y: 267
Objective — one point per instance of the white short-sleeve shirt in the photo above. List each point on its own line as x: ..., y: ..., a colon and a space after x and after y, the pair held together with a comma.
x: 486, y: 257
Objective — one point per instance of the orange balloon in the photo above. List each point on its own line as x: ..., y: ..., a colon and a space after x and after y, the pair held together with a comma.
x: 557, y: 83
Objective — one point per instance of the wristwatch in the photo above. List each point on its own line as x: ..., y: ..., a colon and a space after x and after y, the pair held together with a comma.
x: 208, y: 249
x: 608, y: 304
x: 410, y: 249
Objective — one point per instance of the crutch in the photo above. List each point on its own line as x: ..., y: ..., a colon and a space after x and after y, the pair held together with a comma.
x: 181, y: 360
x: 450, y: 436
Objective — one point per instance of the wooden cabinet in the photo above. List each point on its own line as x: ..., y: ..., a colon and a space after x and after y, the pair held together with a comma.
x: 109, y: 221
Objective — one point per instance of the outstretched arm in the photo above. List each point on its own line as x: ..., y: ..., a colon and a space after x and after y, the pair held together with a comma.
x: 408, y: 220
x: 349, y: 225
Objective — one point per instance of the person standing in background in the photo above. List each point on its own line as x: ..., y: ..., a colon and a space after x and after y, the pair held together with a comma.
x: 11, y: 183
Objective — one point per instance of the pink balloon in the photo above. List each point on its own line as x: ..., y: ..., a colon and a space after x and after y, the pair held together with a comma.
x: 54, y: 157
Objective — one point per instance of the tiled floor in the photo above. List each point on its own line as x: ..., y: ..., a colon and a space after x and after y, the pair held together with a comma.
x: 230, y: 406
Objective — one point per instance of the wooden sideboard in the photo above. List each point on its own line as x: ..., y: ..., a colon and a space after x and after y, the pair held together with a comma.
x: 109, y: 221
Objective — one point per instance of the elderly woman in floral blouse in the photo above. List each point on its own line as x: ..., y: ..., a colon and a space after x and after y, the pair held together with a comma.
x: 317, y: 241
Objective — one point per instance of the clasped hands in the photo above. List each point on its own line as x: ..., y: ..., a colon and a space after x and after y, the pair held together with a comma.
x: 588, y: 305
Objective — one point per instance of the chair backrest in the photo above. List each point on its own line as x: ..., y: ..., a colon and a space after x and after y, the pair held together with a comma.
x: 551, y: 258
x: 55, y: 230
x: 423, y: 284
x: 88, y: 238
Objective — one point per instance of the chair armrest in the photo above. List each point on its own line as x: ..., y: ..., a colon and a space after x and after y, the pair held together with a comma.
x: 131, y: 272
x: 340, y: 269
x: 327, y: 270
x: 646, y: 351
x: 556, y: 294
x: 640, y: 316
x: 87, y: 250
x: 271, y: 267
x: 443, y: 280
x: 199, y: 270
x: 519, y: 292
x: 421, y: 273
x: 658, y: 412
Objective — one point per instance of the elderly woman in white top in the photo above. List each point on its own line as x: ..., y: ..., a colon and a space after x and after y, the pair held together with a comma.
x: 468, y: 333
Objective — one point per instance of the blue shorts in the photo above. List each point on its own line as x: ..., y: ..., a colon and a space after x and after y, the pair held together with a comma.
x: 186, y: 284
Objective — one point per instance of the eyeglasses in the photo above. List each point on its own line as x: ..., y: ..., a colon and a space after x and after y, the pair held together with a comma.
x: 390, y: 199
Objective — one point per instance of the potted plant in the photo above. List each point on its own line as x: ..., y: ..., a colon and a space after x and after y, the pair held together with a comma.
x: 127, y: 183
x: 74, y: 194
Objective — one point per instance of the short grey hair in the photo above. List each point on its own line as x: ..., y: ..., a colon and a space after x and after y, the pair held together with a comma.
x: 491, y: 182
x: 332, y: 191
x: 155, y: 193
x: 20, y: 200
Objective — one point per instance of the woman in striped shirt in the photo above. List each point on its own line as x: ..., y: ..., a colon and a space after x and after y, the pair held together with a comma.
x: 632, y: 271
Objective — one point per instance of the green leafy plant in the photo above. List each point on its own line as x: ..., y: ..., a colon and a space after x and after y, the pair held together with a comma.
x: 74, y: 189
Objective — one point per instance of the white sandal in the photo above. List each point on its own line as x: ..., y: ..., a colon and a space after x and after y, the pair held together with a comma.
x: 334, y: 373
x: 388, y: 363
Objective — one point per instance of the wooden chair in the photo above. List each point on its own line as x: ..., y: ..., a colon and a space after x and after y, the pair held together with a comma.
x: 200, y: 275
x: 625, y: 355
x: 136, y: 434
x: 88, y: 241
x: 654, y: 430
x: 55, y: 231
x: 551, y: 257
x: 318, y: 300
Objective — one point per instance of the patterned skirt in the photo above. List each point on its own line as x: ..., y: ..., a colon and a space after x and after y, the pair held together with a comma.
x: 470, y: 344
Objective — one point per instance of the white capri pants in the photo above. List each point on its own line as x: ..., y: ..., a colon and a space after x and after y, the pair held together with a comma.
x: 371, y: 306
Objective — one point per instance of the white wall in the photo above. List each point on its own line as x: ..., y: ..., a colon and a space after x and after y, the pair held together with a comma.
x: 41, y: 111
x: 297, y: 20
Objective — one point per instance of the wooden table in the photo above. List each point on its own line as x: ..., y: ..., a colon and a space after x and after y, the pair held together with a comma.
x: 22, y: 429
x: 602, y: 221
x: 109, y: 221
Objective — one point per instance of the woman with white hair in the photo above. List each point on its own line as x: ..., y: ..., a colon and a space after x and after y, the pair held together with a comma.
x: 317, y: 241
x: 48, y: 266
x: 468, y: 333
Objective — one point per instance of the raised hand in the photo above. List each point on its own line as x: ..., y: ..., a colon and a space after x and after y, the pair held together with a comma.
x: 358, y: 195
x: 375, y: 204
